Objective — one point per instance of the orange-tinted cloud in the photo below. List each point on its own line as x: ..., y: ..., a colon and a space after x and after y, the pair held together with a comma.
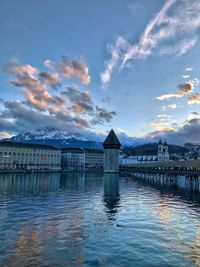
x: 75, y: 69
x: 184, y: 89
x: 194, y: 99
x: 160, y: 132
x: 50, y: 78
x: 69, y: 107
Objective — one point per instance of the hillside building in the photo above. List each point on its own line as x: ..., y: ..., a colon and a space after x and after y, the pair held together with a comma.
x: 193, y: 150
x: 162, y: 155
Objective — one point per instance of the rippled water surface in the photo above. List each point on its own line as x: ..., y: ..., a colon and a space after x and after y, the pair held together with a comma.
x: 96, y: 220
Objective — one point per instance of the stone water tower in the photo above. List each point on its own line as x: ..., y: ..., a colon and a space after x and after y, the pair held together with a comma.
x: 111, y: 147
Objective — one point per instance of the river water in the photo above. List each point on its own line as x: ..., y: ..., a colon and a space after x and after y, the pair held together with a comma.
x: 94, y: 219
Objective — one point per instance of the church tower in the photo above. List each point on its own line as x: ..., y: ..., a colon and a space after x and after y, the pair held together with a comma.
x: 163, y: 152
x: 160, y: 151
x: 111, y: 147
x: 166, y: 151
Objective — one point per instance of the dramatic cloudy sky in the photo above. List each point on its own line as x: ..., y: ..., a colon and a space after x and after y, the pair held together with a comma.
x: 80, y: 65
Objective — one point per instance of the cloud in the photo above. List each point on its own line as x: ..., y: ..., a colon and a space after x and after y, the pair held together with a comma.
x: 70, y: 107
x: 160, y: 125
x: 75, y: 69
x: 70, y: 68
x: 50, y: 78
x: 28, y: 118
x: 33, y: 87
x: 4, y: 135
x: 185, y: 45
x: 102, y: 115
x: 116, y: 53
x: 106, y: 100
x: 169, y: 106
x: 82, y: 101
x: 13, y: 67
x: 186, y: 76
x: 194, y: 99
x: 167, y: 96
x: 164, y: 116
x: 159, y: 133
x: 194, y: 113
x: 184, y: 89
x: 180, y: 48
x: 189, y: 132
x: 171, y: 30
x: 194, y: 82
x: 188, y: 69
x: 49, y: 63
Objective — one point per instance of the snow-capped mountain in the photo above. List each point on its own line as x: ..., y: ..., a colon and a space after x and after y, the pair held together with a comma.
x: 55, y: 137
x: 62, y: 138
x: 47, y: 133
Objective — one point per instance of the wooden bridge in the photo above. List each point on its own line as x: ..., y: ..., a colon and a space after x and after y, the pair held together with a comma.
x: 187, y: 168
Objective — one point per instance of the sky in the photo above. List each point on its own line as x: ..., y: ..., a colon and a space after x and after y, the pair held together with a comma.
x: 89, y: 66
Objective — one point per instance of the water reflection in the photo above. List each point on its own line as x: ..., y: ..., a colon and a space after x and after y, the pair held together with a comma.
x: 169, y: 186
x: 70, y: 219
x: 81, y: 181
x: 111, y: 194
x: 31, y: 183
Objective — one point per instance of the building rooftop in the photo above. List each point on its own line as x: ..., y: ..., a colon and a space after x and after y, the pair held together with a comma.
x: 93, y: 150
x: 27, y: 145
x: 81, y: 150
x: 77, y: 150
x: 111, y: 141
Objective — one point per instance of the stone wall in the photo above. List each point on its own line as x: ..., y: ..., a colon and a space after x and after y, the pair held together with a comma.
x: 111, y: 160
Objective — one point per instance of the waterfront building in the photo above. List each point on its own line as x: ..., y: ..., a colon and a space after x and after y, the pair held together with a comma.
x: 73, y: 159
x: 94, y: 159
x: 22, y: 156
x: 162, y: 156
x: 111, y: 157
x: 163, y: 152
x: 82, y: 159
x: 138, y: 159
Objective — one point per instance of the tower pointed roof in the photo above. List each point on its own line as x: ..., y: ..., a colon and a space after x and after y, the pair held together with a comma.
x: 111, y: 141
x: 160, y: 142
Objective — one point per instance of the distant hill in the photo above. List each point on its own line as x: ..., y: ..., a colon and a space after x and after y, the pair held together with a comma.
x: 71, y: 142
x: 151, y: 149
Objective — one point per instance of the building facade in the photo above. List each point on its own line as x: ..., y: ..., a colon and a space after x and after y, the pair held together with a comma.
x: 79, y: 159
x: 162, y: 156
x: 73, y: 159
x: 22, y: 156
x: 94, y: 159
x: 138, y: 159
x: 163, y: 151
